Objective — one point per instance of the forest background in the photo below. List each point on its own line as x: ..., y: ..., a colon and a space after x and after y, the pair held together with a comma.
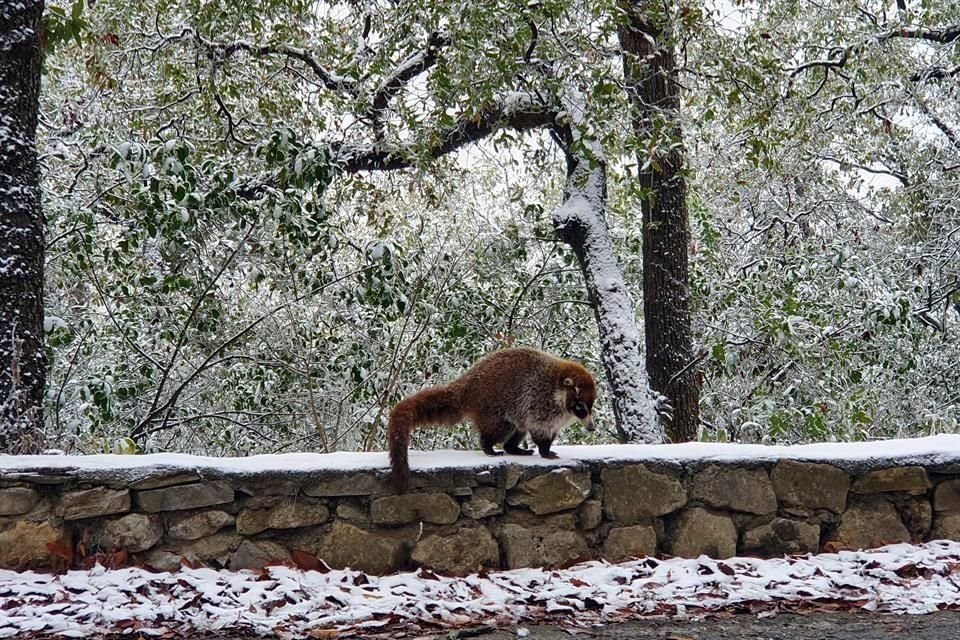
x: 267, y: 221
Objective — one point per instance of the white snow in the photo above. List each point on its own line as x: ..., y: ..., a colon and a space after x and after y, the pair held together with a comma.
x: 288, y: 602
x: 932, y: 450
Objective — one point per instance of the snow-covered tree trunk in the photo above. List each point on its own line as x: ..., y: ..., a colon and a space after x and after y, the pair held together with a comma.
x: 649, y: 69
x: 22, y: 356
x: 581, y: 223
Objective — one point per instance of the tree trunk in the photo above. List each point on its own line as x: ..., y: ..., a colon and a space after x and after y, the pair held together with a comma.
x: 22, y: 355
x: 649, y: 69
x: 581, y: 223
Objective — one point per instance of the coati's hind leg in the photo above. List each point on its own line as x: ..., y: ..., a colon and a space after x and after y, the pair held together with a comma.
x: 486, y: 442
x: 493, y: 432
x: 543, y: 445
x: 513, y: 445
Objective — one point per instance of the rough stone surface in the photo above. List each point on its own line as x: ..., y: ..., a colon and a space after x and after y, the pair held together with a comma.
x: 134, y: 532
x: 946, y: 497
x: 162, y: 560
x: 912, y: 479
x: 700, y: 532
x: 634, y: 493
x: 435, y: 508
x: 540, y: 546
x: 90, y: 503
x: 590, y: 514
x: 810, y: 485
x: 198, y: 525
x: 258, y: 554
x: 870, y: 524
x: 551, y: 492
x: 350, y: 546
x: 216, y: 549
x: 158, y: 481
x: 354, y: 511
x: 355, y: 484
x: 629, y: 542
x: 946, y: 526
x: 289, y: 514
x: 726, y: 487
x: 917, y: 515
x: 485, y: 501
x: 185, y: 496
x: 782, y: 536
x: 17, y: 500
x: 23, y: 544
x: 460, y: 553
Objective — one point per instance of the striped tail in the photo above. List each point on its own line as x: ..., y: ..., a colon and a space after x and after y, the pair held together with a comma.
x: 438, y: 406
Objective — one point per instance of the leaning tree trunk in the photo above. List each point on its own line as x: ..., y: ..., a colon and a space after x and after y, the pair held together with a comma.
x: 22, y: 356
x: 581, y: 223
x: 649, y: 69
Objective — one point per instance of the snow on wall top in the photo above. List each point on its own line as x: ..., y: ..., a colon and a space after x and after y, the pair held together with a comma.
x: 940, y: 452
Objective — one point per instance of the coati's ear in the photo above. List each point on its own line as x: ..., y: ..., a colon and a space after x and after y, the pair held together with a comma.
x: 568, y: 382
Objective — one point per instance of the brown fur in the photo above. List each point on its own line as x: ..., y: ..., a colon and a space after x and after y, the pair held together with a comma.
x: 506, y: 395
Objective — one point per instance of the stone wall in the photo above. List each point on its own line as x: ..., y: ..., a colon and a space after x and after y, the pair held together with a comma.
x: 497, y: 514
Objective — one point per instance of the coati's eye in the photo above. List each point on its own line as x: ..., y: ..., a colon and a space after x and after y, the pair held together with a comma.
x: 580, y: 410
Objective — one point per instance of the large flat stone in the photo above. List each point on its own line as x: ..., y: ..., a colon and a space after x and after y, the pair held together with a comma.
x: 700, y: 532
x: 134, y: 532
x: 946, y: 497
x: 630, y: 542
x: 911, y: 479
x: 870, y: 524
x: 634, y: 493
x: 810, y: 485
x: 198, y: 525
x: 23, y: 544
x: 349, y: 546
x: 257, y: 554
x: 782, y: 536
x: 289, y: 514
x: 435, y: 508
x: 540, y: 546
x: 557, y: 490
x: 735, y: 488
x: 90, y: 503
x: 464, y: 551
x: 185, y: 496
x: 354, y: 484
x: 17, y: 500
x: 484, y: 502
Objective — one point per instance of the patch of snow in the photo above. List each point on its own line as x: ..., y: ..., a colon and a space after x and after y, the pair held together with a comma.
x: 288, y: 602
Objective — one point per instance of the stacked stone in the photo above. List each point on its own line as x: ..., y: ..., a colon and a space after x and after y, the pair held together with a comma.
x: 459, y: 521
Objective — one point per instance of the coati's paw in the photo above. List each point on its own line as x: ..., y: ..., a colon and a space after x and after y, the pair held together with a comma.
x: 493, y: 453
x: 520, y: 452
x: 549, y: 455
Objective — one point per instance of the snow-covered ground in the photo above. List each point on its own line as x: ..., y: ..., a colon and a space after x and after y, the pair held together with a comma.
x: 288, y: 602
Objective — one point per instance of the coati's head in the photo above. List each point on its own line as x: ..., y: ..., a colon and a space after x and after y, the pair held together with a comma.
x: 581, y: 392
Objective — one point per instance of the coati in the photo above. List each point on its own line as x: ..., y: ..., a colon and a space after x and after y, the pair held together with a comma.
x: 506, y: 394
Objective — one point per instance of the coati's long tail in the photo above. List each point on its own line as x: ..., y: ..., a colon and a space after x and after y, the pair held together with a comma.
x: 438, y: 406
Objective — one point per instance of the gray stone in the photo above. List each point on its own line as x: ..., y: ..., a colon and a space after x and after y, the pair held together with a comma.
x: 349, y: 546
x: 736, y: 488
x: 946, y: 497
x: 134, y: 532
x: 257, y: 554
x: 810, y: 485
x: 699, y: 532
x: 289, y: 514
x: 185, y: 496
x: 158, y: 481
x: 17, y: 500
x: 162, y: 560
x: 869, y: 524
x: 354, y: 484
x: 557, y: 490
x: 485, y: 501
x: 946, y: 526
x: 511, y: 475
x: 465, y: 551
x: 911, y: 479
x: 782, y: 536
x: 90, y: 503
x: 260, y: 487
x: 630, y: 542
x: 917, y: 515
x: 435, y: 508
x: 198, y: 525
x: 590, y: 514
x: 634, y: 493
x: 540, y: 546
x: 351, y: 510
x: 217, y: 548
x: 23, y: 544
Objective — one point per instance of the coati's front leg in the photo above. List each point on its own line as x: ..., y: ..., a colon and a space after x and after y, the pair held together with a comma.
x: 486, y: 443
x: 512, y: 445
x: 543, y: 445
